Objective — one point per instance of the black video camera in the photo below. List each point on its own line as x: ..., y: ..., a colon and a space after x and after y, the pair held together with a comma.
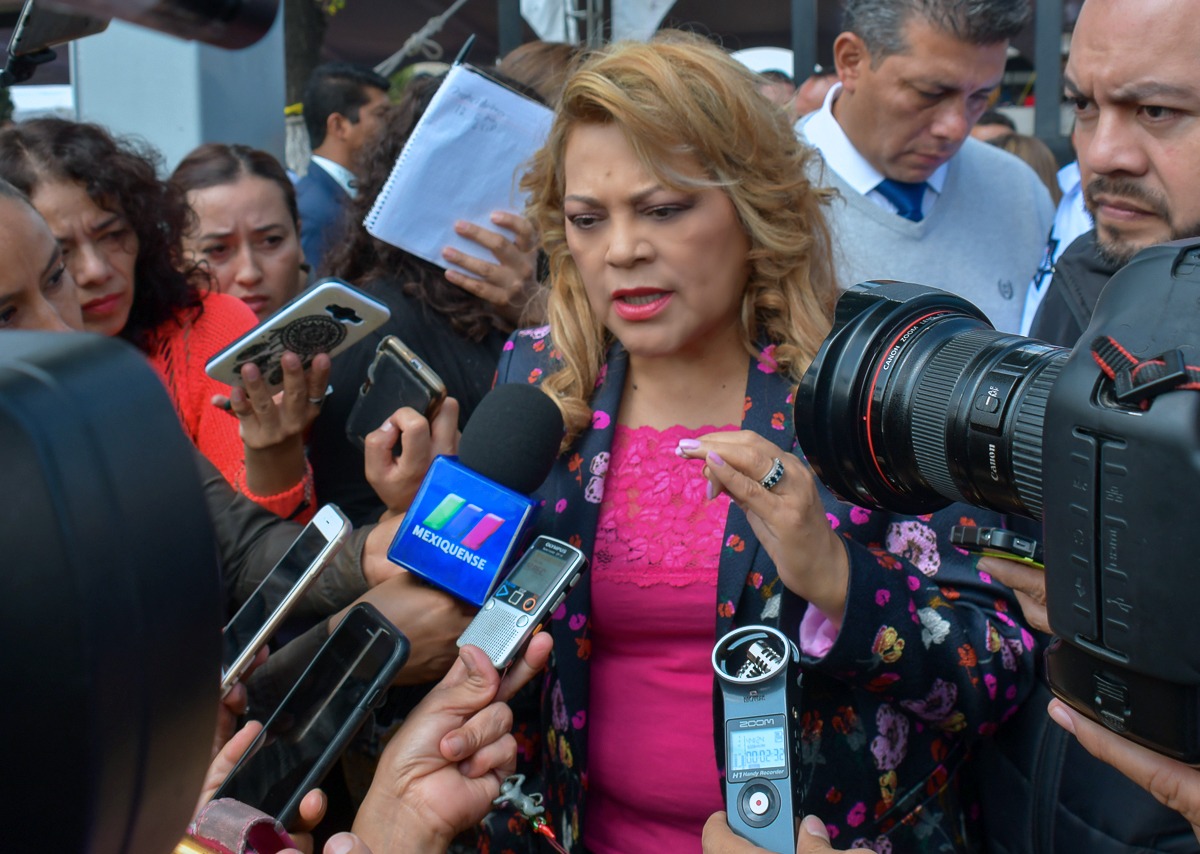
x: 914, y: 400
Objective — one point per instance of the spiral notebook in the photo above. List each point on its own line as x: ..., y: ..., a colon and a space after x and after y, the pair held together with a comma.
x: 463, y: 160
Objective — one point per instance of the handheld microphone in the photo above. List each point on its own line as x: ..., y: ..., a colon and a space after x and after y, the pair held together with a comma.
x: 472, y: 511
x: 758, y: 669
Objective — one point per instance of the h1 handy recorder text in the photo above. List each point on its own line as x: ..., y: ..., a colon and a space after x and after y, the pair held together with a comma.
x: 758, y: 671
x: 524, y: 600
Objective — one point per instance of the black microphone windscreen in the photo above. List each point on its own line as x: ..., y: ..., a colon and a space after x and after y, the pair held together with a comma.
x: 512, y: 437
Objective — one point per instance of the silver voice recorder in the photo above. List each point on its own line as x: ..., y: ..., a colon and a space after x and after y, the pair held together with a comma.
x: 524, y: 600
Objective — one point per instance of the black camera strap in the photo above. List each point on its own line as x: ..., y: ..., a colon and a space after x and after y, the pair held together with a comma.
x: 1137, y: 381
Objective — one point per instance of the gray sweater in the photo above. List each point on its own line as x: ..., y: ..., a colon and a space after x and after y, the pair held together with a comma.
x: 982, y: 239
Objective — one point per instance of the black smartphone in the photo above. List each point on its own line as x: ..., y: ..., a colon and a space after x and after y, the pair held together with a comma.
x: 320, y: 715
x: 397, y: 377
x: 268, y: 606
x: 997, y: 542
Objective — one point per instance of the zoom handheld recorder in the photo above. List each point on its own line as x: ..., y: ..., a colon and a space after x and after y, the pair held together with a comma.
x: 758, y: 669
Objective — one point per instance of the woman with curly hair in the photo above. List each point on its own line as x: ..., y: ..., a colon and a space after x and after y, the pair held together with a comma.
x: 120, y: 229
x: 691, y: 284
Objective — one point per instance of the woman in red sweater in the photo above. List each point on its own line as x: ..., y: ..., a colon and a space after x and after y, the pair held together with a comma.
x: 120, y: 228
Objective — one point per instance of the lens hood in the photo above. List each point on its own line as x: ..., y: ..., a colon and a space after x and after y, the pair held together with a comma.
x: 833, y: 404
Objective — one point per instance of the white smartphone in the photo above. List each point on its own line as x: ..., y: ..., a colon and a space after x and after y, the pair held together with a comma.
x: 270, y: 603
x: 326, y: 318
x: 40, y: 27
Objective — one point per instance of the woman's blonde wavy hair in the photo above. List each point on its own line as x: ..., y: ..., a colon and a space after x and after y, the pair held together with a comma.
x: 679, y: 94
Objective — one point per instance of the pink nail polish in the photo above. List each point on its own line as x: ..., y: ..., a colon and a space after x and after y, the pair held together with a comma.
x: 715, y: 458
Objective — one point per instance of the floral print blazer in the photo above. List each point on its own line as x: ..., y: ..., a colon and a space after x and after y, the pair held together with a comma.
x: 928, y: 658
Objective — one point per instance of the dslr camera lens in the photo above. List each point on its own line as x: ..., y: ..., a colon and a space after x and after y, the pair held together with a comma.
x: 914, y: 401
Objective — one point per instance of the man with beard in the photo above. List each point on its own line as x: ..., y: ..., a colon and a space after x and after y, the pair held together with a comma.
x: 1133, y: 77
x: 1136, y: 93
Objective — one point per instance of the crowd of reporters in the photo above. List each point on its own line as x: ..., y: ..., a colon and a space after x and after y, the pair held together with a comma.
x: 670, y: 189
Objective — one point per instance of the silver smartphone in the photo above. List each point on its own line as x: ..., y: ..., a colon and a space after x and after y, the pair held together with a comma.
x: 525, y: 599
x: 326, y: 318
x: 40, y: 27
x: 270, y: 603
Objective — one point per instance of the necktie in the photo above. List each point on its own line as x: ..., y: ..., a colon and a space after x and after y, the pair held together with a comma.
x: 906, y: 197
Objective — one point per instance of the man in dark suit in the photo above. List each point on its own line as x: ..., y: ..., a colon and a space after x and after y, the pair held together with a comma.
x: 344, y: 105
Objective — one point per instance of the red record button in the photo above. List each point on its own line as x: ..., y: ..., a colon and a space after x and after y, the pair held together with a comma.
x: 758, y: 802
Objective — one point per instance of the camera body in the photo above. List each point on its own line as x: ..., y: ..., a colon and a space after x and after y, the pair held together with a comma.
x: 1120, y: 486
x: 946, y: 408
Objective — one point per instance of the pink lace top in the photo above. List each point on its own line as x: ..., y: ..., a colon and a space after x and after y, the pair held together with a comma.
x: 652, y: 775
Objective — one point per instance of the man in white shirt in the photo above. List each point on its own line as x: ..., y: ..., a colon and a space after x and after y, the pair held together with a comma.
x: 344, y: 105
x: 1070, y: 220
x: 920, y: 200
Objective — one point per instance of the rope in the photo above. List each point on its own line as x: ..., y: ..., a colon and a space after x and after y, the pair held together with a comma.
x: 420, y: 40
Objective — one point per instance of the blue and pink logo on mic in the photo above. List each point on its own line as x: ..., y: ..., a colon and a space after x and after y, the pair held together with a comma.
x: 457, y: 520
x: 461, y: 530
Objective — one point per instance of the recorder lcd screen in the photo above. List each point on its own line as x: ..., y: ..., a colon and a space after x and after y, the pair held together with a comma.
x: 757, y: 749
x: 531, y: 579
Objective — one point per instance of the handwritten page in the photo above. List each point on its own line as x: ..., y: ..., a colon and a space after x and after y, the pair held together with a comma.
x: 463, y: 160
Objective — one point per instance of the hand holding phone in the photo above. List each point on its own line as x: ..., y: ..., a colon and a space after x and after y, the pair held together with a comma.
x: 320, y: 715
x: 270, y: 603
x: 397, y: 377
x: 432, y: 620
x: 269, y: 417
x: 451, y: 754
x: 396, y: 479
